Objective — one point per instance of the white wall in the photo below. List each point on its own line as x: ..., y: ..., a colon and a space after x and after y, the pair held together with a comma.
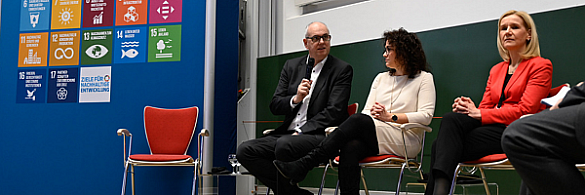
x: 369, y: 19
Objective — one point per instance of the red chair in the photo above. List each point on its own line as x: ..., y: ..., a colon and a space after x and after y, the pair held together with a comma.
x: 168, y: 133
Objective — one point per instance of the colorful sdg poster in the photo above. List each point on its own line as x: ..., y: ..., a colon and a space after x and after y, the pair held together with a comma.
x: 96, y: 47
x: 164, y: 43
x: 130, y: 45
x: 35, y: 14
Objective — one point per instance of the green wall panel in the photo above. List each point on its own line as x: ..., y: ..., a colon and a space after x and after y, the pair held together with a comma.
x: 460, y: 59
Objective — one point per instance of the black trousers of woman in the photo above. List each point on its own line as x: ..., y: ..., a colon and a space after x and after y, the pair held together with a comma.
x: 460, y: 138
x: 359, y: 133
x: 353, y: 140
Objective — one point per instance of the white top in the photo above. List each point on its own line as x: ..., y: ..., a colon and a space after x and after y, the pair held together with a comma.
x: 414, y: 97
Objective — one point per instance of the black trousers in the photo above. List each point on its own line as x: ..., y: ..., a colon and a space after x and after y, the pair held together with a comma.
x: 461, y: 138
x: 544, y: 150
x: 358, y: 133
x: 257, y: 156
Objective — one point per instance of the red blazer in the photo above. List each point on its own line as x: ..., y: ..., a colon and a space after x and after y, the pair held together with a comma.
x: 531, y: 82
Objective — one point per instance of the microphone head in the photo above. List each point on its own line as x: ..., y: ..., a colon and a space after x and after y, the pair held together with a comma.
x: 311, y: 62
x: 392, y: 70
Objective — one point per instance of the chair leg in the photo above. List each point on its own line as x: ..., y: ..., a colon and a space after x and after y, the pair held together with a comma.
x: 454, y: 181
x: 132, y: 174
x: 336, y: 188
x: 485, y: 184
x: 193, y: 189
x: 423, y: 178
x: 400, y: 178
x: 200, y: 180
x: 364, y: 181
x: 124, y: 180
x: 323, y: 179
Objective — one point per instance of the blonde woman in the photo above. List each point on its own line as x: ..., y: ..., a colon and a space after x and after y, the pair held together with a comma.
x: 514, y: 88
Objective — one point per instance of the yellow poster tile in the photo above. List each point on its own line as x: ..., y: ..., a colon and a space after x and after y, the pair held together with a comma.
x: 66, y: 14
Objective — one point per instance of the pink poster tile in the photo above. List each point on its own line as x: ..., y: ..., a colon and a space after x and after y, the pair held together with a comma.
x: 166, y: 11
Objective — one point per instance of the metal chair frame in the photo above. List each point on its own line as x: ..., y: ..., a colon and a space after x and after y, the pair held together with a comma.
x: 500, y: 164
x: 196, y: 163
x: 414, y: 165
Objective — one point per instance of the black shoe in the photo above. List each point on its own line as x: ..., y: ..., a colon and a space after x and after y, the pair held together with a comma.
x: 290, y: 171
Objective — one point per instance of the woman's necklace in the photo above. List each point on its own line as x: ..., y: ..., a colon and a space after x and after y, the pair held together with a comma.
x: 512, y: 67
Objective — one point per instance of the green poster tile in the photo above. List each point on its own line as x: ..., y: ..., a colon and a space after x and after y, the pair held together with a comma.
x: 96, y: 46
x: 164, y: 43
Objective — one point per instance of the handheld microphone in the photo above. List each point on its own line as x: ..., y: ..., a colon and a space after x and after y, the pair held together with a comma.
x: 392, y: 71
x: 309, y: 68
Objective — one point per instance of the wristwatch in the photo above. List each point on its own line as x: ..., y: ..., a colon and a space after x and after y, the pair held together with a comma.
x: 394, y: 118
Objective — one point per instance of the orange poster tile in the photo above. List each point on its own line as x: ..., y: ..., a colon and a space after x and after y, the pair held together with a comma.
x: 131, y: 12
x: 64, y: 48
x: 32, y: 49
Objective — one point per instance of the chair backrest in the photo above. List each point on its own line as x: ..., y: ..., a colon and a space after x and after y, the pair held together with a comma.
x: 352, y: 108
x: 169, y: 131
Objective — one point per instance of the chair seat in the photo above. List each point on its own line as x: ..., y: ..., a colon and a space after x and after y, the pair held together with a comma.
x: 488, y: 159
x: 377, y: 158
x: 159, y: 157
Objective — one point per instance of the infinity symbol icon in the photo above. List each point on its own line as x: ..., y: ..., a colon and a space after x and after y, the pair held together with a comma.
x: 63, y: 53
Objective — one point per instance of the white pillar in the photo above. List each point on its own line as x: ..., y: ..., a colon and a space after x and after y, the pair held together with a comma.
x: 209, y: 90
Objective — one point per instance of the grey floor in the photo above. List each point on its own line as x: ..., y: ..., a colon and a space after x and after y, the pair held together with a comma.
x: 330, y: 191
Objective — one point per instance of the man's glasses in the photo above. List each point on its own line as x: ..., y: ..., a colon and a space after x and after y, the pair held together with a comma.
x: 317, y: 38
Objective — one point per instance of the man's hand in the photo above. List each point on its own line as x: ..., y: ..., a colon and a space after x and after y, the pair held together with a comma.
x: 302, y: 90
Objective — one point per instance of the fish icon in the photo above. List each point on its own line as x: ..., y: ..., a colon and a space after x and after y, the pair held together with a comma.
x: 131, y: 53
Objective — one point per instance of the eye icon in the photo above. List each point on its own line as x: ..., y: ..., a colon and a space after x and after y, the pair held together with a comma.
x: 96, y: 51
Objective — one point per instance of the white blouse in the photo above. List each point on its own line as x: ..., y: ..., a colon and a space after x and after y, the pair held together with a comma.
x: 414, y: 97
